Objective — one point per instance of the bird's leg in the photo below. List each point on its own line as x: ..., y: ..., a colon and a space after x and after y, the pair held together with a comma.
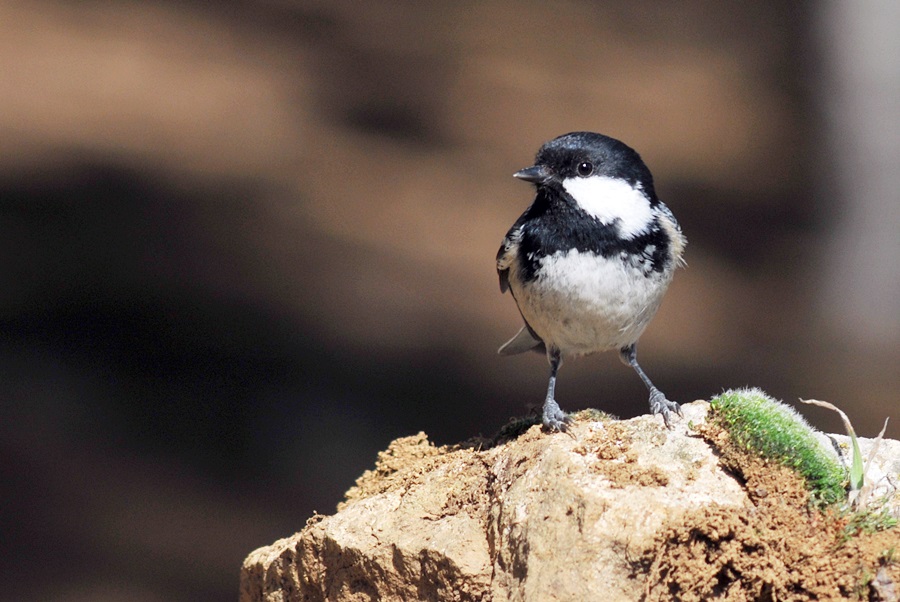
x: 658, y: 402
x: 554, y: 419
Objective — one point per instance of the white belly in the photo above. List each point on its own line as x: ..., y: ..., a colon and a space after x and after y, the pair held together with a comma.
x: 581, y: 303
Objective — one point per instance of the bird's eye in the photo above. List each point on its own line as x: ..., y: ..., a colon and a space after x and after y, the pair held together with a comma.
x: 585, y: 169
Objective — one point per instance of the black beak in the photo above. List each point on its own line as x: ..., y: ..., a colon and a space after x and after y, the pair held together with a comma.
x: 537, y: 174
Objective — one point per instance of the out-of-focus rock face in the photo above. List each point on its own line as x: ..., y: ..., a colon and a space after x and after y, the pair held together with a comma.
x: 543, y: 517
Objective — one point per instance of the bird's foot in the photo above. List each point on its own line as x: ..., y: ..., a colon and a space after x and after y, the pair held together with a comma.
x: 555, y: 419
x: 660, y: 405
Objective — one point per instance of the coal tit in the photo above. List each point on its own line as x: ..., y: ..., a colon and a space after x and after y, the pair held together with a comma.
x: 590, y: 259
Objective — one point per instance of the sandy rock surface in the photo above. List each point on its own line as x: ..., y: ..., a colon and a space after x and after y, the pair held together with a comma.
x: 612, y: 510
x: 542, y: 517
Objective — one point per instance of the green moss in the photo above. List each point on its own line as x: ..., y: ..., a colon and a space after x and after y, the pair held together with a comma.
x: 870, y: 521
x: 771, y: 429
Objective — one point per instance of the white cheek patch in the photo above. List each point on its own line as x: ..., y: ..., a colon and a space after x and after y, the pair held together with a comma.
x: 611, y: 199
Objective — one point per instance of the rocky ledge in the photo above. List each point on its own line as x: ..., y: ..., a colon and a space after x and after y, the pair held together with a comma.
x: 612, y: 510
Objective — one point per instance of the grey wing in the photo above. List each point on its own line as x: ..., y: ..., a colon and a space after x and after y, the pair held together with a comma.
x: 525, y: 339
x: 507, y: 254
x: 673, y: 229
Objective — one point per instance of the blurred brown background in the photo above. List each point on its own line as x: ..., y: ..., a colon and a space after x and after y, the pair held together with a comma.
x: 246, y: 244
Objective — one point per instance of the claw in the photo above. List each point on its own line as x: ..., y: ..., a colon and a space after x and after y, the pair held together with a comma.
x: 555, y: 419
x: 660, y: 405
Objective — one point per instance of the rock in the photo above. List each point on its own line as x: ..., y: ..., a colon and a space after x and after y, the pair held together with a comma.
x: 542, y: 517
x: 612, y: 510
x: 882, y: 462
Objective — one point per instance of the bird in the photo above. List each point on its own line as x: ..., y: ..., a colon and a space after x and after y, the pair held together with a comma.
x: 589, y: 261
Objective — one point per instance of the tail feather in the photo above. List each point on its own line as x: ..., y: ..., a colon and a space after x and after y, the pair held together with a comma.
x: 524, y: 341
